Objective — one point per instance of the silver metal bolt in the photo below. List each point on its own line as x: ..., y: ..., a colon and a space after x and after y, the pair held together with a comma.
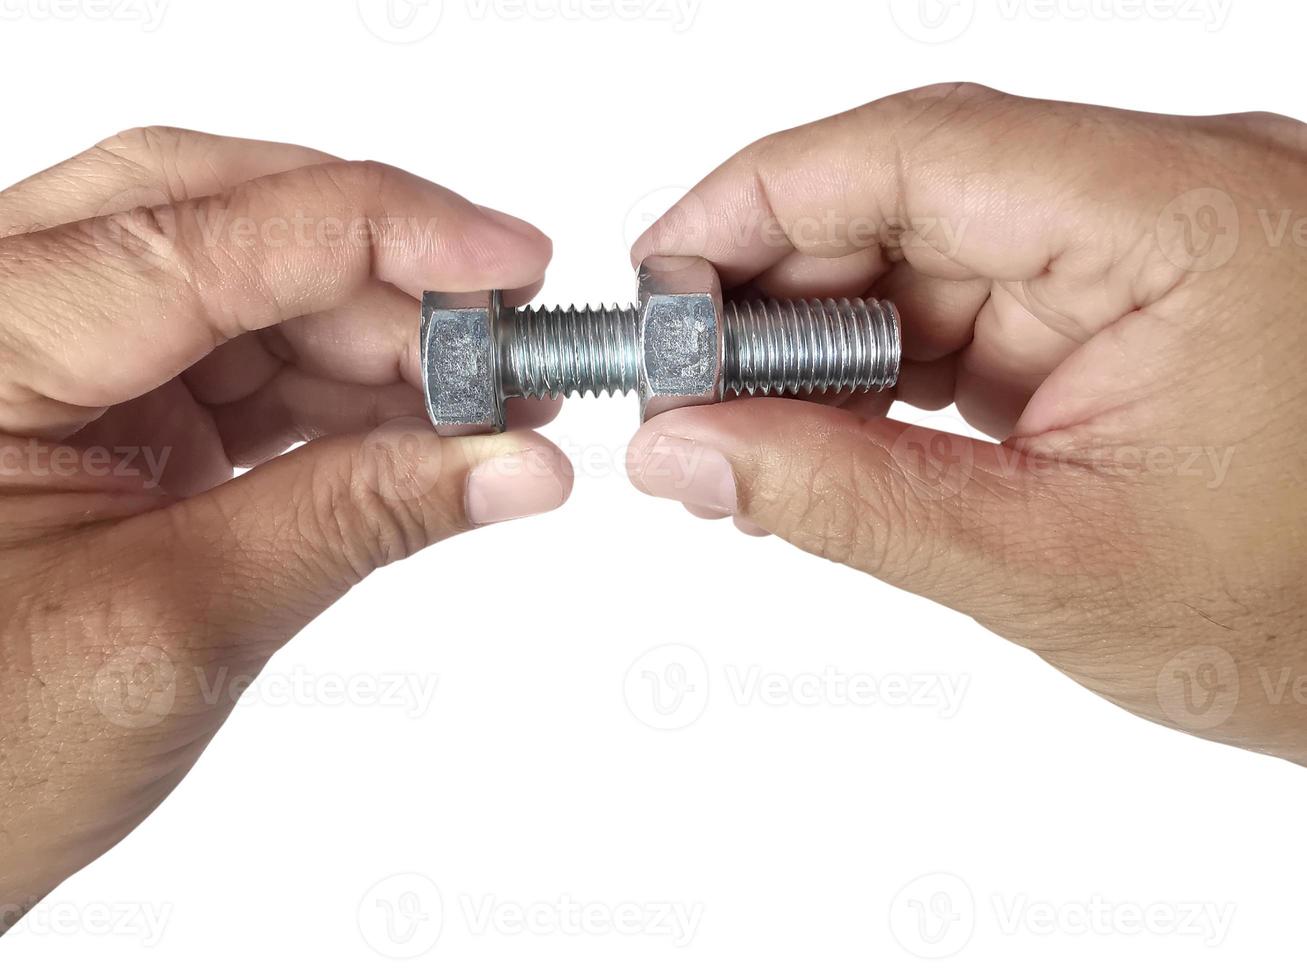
x: 680, y: 345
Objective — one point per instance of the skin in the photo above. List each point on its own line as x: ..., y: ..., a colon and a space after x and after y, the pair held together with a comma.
x: 1117, y: 300
x: 174, y: 306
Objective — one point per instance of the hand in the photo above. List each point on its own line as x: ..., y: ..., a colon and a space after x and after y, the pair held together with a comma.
x: 257, y: 296
x: 1117, y: 296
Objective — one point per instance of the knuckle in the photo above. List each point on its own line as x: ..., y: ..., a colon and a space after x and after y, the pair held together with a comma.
x: 356, y: 182
x: 951, y: 93
x: 371, y: 514
x: 835, y: 506
x: 144, y: 142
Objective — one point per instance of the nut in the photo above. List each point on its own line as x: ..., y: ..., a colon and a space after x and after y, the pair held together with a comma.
x: 460, y: 357
x: 681, y: 334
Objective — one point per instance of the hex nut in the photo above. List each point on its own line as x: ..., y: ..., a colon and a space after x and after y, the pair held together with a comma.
x: 682, y: 335
x: 461, y: 363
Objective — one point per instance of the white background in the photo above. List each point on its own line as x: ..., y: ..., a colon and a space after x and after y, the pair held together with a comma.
x: 791, y: 839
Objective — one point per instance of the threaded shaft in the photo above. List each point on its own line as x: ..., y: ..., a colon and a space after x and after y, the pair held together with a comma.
x: 805, y: 346
x: 771, y: 347
x: 552, y: 352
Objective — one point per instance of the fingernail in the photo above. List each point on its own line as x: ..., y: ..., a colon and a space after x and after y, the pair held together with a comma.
x: 680, y: 469
x: 506, y: 221
x: 511, y: 487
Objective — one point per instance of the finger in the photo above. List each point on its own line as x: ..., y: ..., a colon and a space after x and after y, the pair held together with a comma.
x: 801, y: 276
x: 707, y: 513
x: 261, y: 555
x: 954, y: 519
x: 140, y: 168
x: 941, y: 312
x: 963, y: 183
x: 200, y: 276
x: 927, y: 385
x: 295, y: 407
x: 948, y: 154
x: 745, y: 526
x: 1012, y: 353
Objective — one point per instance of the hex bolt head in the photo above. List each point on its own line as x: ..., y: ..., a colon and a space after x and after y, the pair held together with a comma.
x: 460, y: 362
x: 682, y: 335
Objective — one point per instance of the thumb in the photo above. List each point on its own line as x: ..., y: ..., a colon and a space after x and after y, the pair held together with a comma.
x: 266, y: 553
x: 957, y: 520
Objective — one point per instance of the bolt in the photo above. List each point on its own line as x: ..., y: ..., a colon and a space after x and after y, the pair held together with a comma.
x: 680, y: 345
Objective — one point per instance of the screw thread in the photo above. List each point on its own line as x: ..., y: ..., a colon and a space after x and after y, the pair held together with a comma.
x: 805, y: 346
x: 552, y: 352
x: 771, y: 347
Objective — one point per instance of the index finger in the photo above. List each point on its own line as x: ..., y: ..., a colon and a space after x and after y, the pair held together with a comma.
x: 101, y: 311
x: 968, y: 182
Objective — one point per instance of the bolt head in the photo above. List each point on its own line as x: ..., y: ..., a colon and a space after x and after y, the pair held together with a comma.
x: 460, y: 362
x: 681, y: 334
